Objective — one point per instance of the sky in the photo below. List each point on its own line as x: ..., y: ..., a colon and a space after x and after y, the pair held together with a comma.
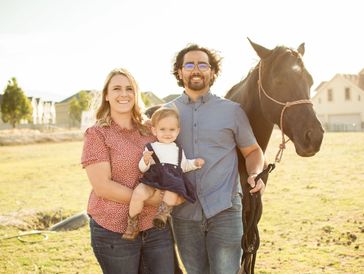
x: 55, y: 48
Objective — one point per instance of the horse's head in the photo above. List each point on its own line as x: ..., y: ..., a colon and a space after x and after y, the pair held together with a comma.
x: 284, y: 92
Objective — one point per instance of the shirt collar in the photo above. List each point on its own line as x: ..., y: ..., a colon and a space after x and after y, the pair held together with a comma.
x: 115, y: 126
x: 202, y: 99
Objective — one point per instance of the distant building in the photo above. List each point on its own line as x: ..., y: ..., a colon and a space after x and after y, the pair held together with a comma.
x: 339, y: 103
x: 63, y: 114
x: 43, y: 114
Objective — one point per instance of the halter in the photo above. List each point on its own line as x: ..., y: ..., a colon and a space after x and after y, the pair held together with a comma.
x: 285, y: 105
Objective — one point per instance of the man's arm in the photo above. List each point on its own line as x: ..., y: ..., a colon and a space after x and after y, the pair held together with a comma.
x: 254, y: 162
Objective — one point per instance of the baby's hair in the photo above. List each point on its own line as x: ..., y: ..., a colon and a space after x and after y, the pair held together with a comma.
x: 162, y: 113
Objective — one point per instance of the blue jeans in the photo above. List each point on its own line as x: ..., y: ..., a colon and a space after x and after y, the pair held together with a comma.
x: 152, y: 251
x: 211, y: 246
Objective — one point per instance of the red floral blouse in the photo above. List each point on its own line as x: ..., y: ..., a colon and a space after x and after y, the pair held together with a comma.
x: 123, y: 149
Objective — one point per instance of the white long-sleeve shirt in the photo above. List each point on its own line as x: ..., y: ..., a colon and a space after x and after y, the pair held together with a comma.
x: 168, y: 153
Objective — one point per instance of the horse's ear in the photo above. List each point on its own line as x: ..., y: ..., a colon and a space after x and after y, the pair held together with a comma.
x: 260, y: 50
x: 301, y: 49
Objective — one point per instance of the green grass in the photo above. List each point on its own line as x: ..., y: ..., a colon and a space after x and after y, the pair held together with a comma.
x: 46, y: 178
x: 313, y: 217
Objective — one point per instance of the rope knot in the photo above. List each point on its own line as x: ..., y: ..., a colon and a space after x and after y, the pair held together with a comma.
x: 288, y: 104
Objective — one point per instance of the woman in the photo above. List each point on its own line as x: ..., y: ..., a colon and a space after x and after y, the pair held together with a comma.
x: 111, y: 152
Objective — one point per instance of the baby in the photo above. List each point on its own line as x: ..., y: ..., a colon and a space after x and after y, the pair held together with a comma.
x: 163, y: 164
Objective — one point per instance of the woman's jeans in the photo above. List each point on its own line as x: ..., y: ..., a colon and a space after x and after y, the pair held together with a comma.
x: 152, y: 250
x: 211, y: 245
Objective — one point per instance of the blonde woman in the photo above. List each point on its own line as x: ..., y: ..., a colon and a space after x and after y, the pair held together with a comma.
x: 111, y: 153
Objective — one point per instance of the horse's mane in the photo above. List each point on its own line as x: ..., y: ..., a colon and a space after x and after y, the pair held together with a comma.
x: 275, y: 53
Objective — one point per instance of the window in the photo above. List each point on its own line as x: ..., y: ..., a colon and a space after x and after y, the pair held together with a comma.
x: 347, y: 94
x: 329, y: 95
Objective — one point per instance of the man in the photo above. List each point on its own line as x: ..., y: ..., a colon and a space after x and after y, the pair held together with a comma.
x: 208, y: 232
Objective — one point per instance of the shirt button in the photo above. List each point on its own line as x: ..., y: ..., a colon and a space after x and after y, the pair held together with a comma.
x: 194, y: 125
x: 195, y: 109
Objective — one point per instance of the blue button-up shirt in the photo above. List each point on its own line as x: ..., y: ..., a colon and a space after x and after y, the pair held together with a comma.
x: 211, y: 128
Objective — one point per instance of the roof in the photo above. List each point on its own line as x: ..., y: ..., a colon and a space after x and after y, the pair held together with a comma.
x: 320, y: 85
x: 77, y: 95
x: 352, y: 78
x: 170, y: 97
x: 355, y: 79
x: 153, y: 99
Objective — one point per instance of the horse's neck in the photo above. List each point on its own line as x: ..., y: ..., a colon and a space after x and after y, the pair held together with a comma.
x: 262, y: 128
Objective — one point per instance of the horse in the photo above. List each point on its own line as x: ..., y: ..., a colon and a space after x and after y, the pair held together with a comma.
x: 275, y: 92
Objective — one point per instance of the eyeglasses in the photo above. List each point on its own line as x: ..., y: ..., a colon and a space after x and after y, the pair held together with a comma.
x: 201, y: 66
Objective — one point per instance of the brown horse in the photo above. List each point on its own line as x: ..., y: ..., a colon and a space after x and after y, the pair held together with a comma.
x: 275, y: 92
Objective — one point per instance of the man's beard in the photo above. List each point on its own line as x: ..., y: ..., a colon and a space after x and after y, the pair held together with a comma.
x: 196, y: 86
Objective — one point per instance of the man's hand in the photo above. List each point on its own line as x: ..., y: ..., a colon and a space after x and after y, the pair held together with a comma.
x: 259, y: 186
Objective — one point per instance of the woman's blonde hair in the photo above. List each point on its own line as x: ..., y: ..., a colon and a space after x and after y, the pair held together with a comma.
x: 103, y: 114
x: 162, y: 113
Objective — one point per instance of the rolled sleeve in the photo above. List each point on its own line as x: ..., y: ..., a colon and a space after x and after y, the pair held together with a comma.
x: 95, y: 149
x: 244, y: 135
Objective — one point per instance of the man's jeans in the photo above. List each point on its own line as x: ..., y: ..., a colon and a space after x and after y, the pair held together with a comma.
x: 152, y: 249
x: 211, y: 246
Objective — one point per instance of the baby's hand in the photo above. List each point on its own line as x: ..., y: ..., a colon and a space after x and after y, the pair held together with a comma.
x: 147, y: 156
x: 199, y: 162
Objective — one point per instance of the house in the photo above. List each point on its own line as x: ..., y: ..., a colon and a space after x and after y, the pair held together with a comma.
x: 43, y: 114
x: 63, y: 112
x: 339, y: 103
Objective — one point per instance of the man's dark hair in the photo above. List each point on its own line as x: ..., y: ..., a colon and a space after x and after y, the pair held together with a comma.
x: 214, y: 61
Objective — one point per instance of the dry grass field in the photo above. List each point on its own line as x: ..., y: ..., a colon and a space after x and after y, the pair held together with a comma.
x: 313, y: 217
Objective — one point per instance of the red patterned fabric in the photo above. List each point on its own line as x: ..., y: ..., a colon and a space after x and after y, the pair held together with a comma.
x: 122, y: 148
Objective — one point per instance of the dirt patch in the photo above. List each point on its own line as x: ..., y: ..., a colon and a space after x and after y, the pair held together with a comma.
x: 31, y: 136
x: 32, y: 219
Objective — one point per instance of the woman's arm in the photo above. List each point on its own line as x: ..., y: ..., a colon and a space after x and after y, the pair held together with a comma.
x: 99, y: 175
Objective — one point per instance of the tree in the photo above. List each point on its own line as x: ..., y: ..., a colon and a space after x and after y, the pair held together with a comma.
x: 79, y: 103
x: 15, y: 105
